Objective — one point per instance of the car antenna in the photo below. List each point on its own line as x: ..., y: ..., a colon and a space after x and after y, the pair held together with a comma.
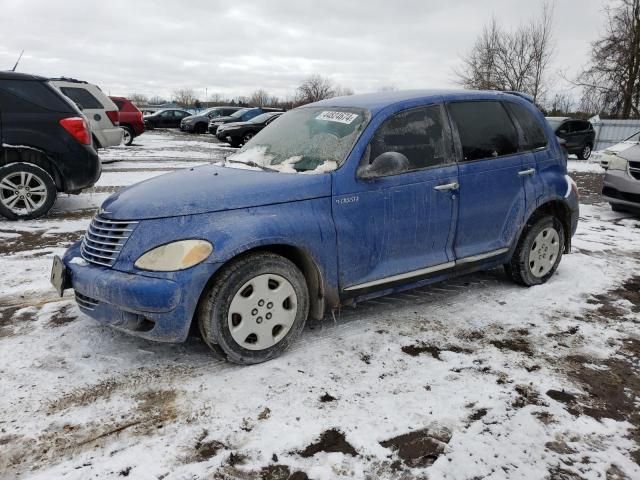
x: 17, y: 61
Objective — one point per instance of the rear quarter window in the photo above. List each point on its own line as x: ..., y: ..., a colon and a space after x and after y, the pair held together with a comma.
x: 485, y: 129
x: 532, y: 130
x: 82, y: 97
x: 31, y: 97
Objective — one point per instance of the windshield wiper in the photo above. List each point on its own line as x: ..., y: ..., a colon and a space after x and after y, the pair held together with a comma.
x: 251, y: 163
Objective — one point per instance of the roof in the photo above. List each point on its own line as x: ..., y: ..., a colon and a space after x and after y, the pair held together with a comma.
x: 379, y: 100
x: 20, y: 76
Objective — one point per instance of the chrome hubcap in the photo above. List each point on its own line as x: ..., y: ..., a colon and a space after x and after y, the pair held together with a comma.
x: 262, y: 311
x: 586, y: 152
x: 544, y: 252
x: 126, y: 136
x: 22, y: 192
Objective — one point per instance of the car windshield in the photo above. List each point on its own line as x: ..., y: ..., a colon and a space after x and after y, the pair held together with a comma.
x: 239, y: 113
x: 304, y: 140
x: 261, y: 118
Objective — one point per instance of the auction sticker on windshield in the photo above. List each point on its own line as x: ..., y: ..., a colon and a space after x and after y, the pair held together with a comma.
x: 342, y: 117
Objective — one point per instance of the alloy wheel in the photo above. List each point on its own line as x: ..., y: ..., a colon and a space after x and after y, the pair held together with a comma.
x: 22, y: 192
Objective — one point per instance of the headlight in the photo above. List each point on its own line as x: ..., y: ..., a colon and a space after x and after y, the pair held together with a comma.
x: 618, y: 163
x: 175, y: 256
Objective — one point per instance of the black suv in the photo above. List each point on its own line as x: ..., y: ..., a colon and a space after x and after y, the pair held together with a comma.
x: 239, y: 133
x: 198, y: 123
x: 579, y: 135
x: 243, y: 115
x: 45, y: 147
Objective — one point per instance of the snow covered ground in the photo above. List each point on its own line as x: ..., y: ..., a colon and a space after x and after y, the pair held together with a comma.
x: 473, y: 378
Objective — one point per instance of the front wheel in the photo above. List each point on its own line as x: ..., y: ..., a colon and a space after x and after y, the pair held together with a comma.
x: 585, y: 153
x: 26, y: 191
x: 538, y: 253
x: 255, y: 309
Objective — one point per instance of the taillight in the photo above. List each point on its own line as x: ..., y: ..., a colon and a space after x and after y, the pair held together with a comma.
x: 114, y: 116
x: 77, y: 128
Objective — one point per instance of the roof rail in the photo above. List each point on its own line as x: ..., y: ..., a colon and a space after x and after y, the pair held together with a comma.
x: 67, y: 79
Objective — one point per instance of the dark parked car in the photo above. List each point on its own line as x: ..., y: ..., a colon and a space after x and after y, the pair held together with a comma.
x: 169, y: 118
x: 238, y: 133
x: 336, y: 202
x: 199, y: 123
x: 579, y: 135
x: 243, y: 115
x: 130, y: 119
x: 45, y: 146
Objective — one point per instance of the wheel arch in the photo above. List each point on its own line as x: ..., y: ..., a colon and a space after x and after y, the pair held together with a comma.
x: 561, y: 211
x: 35, y: 157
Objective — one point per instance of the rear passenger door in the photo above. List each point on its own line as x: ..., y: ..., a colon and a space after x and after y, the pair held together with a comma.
x: 492, y: 200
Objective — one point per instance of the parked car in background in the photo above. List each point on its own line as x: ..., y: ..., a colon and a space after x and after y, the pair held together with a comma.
x: 131, y: 121
x: 198, y: 123
x: 622, y: 181
x: 239, y: 133
x: 101, y: 112
x: 605, y: 156
x: 169, y: 118
x: 329, y: 205
x: 579, y: 135
x: 243, y: 115
x: 45, y: 146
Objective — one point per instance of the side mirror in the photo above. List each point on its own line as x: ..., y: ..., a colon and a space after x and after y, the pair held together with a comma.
x: 386, y: 164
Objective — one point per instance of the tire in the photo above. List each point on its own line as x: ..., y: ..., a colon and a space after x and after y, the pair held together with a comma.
x: 618, y: 208
x: 235, y: 143
x: 127, y: 136
x: 36, y: 191
x: 585, y: 153
x: 247, y: 136
x: 200, y: 128
x: 149, y: 126
x: 537, y: 254
x: 282, y: 298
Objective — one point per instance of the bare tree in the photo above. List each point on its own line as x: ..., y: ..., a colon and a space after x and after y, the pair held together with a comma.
x: 611, y: 83
x: 156, y: 100
x: 138, y: 98
x: 510, y: 59
x: 185, y: 97
x: 315, y: 88
x: 340, y: 91
x: 260, y: 98
x: 560, y: 105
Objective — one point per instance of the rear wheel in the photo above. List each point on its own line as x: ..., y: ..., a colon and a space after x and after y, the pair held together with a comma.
x: 247, y: 136
x: 127, y: 136
x: 585, y: 153
x: 538, y: 253
x: 201, y: 128
x: 255, y: 309
x: 26, y: 191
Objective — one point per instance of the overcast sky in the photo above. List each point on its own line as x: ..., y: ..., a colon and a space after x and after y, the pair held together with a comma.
x: 234, y: 47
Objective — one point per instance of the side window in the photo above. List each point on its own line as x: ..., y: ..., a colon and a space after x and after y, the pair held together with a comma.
x: 83, y: 97
x: 30, y: 96
x: 167, y: 114
x: 534, y: 136
x: 250, y: 114
x: 485, y: 129
x: 214, y: 114
x: 418, y: 134
x: 119, y: 104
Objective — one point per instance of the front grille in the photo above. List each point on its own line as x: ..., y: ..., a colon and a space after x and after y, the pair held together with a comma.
x: 634, y: 170
x: 104, y: 239
x: 86, y: 303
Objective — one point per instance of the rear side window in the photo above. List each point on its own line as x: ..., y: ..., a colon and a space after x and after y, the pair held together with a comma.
x: 119, y: 103
x: 30, y: 96
x: 485, y: 129
x: 418, y: 134
x: 250, y: 114
x: 82, y: 97
x: 533, y: 132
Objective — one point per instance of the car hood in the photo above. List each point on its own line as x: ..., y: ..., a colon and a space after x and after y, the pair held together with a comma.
x: 211, y: 189
x: 196, y: 117
x: 225, y: 119
x: 242, y: 124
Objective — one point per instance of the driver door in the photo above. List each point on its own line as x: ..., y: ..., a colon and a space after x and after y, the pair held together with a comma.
x: 400, y: 227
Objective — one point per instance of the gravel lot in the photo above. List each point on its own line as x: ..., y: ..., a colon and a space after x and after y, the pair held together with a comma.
x: 473, y: 378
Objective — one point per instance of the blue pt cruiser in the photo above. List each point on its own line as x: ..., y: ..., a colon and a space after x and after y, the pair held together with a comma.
x: 336, y: 202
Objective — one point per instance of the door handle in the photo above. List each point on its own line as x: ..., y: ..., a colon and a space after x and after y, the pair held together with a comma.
x: 524, y: 173
x: 447, y: 186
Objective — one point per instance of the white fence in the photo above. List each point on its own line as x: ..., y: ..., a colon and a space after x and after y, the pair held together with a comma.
x: 610, y: 132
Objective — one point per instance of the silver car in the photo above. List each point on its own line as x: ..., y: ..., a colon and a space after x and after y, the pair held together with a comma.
x: 622, y: 181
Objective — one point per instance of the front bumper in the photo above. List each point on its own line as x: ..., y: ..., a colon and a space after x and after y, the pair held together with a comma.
x: 187, y: 127
x: 621, y: 188
x: 213, y: 129
x: 159, y: 309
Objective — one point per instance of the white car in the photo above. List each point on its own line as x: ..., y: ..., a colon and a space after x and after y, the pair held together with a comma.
x: 99, y: 109
x: 605, y: 156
